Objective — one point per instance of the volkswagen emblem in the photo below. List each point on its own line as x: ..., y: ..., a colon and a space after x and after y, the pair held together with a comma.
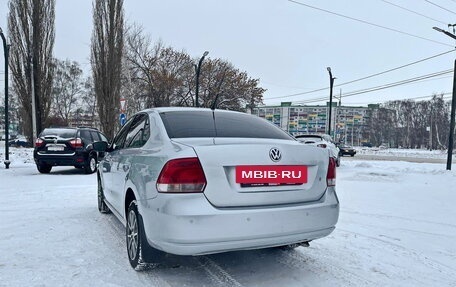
x: 275, y: 154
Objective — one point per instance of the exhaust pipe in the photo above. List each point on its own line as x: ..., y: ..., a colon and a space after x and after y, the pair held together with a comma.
x: 295, y: 245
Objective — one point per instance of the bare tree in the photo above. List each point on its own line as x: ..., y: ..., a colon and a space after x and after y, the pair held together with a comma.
x: 89, y: 102
x: 106, y: 60
x: 67, y: 89
x: 234, y: 89
x: 31, y: 32
x: 156, y: 76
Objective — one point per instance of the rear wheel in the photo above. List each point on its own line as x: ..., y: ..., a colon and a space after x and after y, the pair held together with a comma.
x: 91, y: 165
x: 133, y: 236
x: 44, y: 168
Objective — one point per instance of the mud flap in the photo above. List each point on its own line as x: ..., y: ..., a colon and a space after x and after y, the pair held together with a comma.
x: 149, y: 254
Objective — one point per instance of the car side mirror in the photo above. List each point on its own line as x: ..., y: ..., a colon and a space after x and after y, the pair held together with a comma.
x: 100, y: 146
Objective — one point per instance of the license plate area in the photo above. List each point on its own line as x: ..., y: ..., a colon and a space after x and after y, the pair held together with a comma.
x: 266, y: 175
x: 55, y: 148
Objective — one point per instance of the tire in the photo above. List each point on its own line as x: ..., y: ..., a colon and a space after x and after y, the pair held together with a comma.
x: 133, y: 237
x: 44, y: 168
x: 352, y: 155
x: 91, y: 165
x: 102, y: 207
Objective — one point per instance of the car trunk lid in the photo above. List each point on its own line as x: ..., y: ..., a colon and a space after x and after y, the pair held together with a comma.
x: 223, y: 160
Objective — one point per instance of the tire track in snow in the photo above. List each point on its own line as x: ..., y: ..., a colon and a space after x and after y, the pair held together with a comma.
x: 295, y: 259
x: 399, y: 217
x: 219, y: 276
x: 147, y: 275
x: 426, y: 261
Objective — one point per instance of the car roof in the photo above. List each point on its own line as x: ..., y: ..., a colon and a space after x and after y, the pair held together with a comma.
x: 71, y: 128
x: 178, y: 109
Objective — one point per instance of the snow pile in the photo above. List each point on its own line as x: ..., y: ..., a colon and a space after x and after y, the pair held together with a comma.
x: 395, y: 152
x: 19, y: 157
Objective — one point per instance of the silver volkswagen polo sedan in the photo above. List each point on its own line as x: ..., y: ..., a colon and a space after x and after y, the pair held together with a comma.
x: 192, y: 181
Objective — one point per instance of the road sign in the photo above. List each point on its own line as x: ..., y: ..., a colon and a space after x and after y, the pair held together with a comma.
x: 122, y: 105
x: 123, y: 119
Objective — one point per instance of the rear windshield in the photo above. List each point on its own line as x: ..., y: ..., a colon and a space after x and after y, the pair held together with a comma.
x: 62, y: 133
x: 186, y: 124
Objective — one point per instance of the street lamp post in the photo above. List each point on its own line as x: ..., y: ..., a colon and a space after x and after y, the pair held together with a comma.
x: 198, y: 69
x: 331, y: 84
x: 6, y: 48
x: 453, y: 106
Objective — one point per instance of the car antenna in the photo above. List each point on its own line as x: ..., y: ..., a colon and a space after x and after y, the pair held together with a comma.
x: 214, y: 103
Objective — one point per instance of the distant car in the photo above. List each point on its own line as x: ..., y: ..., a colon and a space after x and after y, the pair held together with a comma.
x: 193, y: 181
x: 347, y: 150
x: 20, y: 142
x: 67, y: 147
x: 323, y: 141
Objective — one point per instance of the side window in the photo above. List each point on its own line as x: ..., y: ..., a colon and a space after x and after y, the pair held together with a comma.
x: 119, y: 139
x: 86, y: 137
x: 95, y: 136
x: 103, y: 137
x: 139, y: 132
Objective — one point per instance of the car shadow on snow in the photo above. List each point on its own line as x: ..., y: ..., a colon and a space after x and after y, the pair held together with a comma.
x: 62, y: 171
x: 265, y: 267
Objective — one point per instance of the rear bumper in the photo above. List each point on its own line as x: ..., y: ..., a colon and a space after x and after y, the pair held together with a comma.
x: 189, y: 225
x: 77, y: 158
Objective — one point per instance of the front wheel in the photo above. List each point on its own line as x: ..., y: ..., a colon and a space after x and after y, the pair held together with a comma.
x: 102, y: 207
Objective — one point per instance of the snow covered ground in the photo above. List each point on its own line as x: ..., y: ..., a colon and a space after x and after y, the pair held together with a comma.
x: 397, y: 227
x: 397, y: 152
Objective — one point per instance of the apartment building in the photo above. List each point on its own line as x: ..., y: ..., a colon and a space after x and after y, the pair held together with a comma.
x: 348, y: 123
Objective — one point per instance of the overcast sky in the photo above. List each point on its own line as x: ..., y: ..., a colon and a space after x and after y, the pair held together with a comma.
x: 287, y: 45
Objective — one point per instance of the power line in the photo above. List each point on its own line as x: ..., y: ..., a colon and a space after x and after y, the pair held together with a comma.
x: 386, y: 86
x: 443, y: 8
x: 366, y: 77
x: 414, y: 12
x: 445, y: 95
x: 382, y: 87
x: 370, y: 23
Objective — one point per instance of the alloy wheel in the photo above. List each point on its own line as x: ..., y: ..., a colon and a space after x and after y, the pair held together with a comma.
x: 132, y: 234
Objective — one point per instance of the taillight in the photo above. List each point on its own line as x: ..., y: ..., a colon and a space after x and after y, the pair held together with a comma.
x: 321, y: 145
x: 75, y: 143
x: 39, y: 142
x: 331, y: 176
x: 182, y: 175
